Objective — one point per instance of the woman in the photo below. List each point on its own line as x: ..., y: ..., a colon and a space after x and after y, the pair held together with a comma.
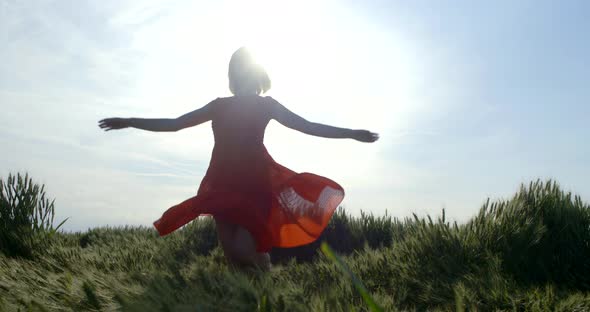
x: 257, y: 203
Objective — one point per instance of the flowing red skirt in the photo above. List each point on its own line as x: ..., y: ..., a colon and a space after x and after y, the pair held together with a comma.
x: 287, y: 209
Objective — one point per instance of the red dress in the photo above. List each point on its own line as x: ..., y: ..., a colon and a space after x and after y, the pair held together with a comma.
x: 245, y: 186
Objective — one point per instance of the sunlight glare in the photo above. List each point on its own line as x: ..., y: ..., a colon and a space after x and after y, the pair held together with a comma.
x: 326, y: 63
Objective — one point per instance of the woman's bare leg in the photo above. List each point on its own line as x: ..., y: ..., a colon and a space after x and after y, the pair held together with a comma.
x: 225, y: 233
x: 239, y: 246
x: 246, y: 245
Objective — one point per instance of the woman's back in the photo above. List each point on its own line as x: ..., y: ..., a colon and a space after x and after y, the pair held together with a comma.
x: 239, y: 122
x: 239, y: 156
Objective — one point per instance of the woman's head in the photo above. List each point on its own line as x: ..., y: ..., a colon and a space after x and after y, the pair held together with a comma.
x: 245, y: 75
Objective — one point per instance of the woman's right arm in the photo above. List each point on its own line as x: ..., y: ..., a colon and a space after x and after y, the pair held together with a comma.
x: 291, y: 120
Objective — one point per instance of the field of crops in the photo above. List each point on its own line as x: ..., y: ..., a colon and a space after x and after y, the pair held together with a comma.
x: 529, y: 253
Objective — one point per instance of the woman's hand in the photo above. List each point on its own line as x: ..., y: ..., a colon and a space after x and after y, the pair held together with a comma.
x: 364, y: 136
x: 114, y: 123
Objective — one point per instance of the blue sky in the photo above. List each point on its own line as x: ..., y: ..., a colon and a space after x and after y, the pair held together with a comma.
x: 471, y: 98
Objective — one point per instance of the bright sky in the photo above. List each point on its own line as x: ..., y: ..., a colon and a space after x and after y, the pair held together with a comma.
x: 470, y: 98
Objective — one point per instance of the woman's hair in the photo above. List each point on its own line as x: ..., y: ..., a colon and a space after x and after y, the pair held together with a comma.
x: 245, y: 75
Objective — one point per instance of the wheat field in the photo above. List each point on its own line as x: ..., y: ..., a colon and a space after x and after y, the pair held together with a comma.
x: 528, y: 253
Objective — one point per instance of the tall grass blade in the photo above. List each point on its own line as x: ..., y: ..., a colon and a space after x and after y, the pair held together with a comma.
x: 373, y: 307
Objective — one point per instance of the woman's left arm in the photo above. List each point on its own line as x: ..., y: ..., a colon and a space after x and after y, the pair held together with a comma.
x: 191, y: 119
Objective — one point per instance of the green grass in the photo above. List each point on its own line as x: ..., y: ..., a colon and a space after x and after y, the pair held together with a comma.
x: 529, y: 253
x: 26, y: 217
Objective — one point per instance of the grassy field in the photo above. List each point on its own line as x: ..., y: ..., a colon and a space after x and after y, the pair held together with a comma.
x: 529, y: 253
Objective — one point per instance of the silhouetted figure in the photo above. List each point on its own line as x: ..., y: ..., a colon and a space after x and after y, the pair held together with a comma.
x: 257, y: 203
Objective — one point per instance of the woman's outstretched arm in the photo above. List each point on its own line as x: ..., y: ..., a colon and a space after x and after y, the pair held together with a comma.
x: 291, y: 120
x: 191, y: 119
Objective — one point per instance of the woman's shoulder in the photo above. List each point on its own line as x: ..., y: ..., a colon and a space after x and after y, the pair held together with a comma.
x: 222, y: 99
x: 219, y: 102
x: 270, y: 101
x: 267, y: 100
x: 265, y: 103
x: 243, y: 97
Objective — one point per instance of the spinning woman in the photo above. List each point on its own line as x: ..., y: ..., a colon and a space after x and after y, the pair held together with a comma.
x: 257, y: 203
